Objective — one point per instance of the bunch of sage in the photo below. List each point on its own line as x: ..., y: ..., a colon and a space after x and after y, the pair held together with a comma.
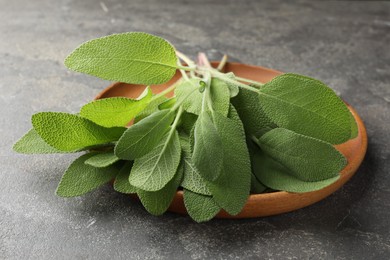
x: 220, y: 138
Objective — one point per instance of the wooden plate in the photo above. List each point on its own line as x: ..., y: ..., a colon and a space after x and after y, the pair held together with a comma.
x: 259, y: 205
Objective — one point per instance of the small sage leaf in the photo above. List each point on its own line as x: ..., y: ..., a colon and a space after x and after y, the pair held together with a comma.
x: 277, y: 177
x: 306, y: 106
x: 115, y: 111
x: 122, y: 183
x: 68, y: 132
x: 32, y: 143
x: 306, y: 158
x: 134, y: 57
x: 157, y: 202
x: 207, y: 155
x: 256, y: 186
x: 81, y: 178
x: 167, y: 104
x: 155, y: 169
x: 200, y: 207
x: 142, y: 137
x: 151, y: 108
x: 101, y: 160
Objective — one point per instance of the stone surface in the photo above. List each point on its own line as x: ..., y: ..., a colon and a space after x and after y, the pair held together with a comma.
x: 345, y: 44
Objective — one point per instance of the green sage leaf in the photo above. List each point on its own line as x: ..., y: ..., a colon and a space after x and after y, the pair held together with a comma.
x: 32, y: 143
x: 201, y: 208
x: 306, y: 106
x: 68, y: 132
x: 155, y: 169
x: 142, y: 137
x: 122, y: 183
x: 101, y: 160
x: 167, y: 104
x: 306, y: 158
x: 207, y: 155
x: 276, y: 176
x: 157, y: 202
x: 134, y: 57
x: 115, y: 111
x: 81, y: 178
x: 151, y: 108
x: 231, y: 189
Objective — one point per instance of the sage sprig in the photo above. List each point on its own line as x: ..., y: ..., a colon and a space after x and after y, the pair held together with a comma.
x: 220, y: 138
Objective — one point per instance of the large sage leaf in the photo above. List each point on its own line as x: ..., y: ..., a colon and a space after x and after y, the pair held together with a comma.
x: 135, y: 57
x: 155, y: 169
x: 157, y: 202
x: 276, y: 176
x: 101, y: 160
x: 115, y: 111
x: 81, y: 178
x: 306, y: 106
x: 200, y: 207
x: 32, y: 143
x: 142, y: 137
x: 306, y: 158
x: 207, y: 155
x: 231, y: 189
x: 68, y: 132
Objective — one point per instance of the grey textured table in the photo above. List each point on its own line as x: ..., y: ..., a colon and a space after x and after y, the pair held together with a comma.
x: 345, y: 44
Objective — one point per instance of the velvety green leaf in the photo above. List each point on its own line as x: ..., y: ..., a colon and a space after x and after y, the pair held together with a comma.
x: 251, y: 113
x: 191, y: 180
x: 278, y: 177
x: 115, y: 111
x: 306, y: 158
x: 154, y: 170
x: 134, y: 57
x: 306, y: 106
x: 208, y: 154
x: 157, y: 202
x: 142, y: 137
x: 188, y: 91
x: 101, y: 160
x: 122, y: 183
x: 201, y: 208
x: 151, y: 108
x: 231, y: 189
x: 32, y: 143
x: 81, y: 178
x: 68, y: 132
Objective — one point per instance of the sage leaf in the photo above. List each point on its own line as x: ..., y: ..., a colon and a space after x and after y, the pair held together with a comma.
x: 155, y: 169
x: 68, y: 132
x: 191, y: 180
x: 233, y: 89
x: 81, y: 178
x: 188, y: 93
x: 207, y: 155
x: 187, y: 122
x: 134, y: 57
x: 276, y: 176
x: 157, y: 202
x: 121, y: 183
x: 101, y: 160
x: 115, y: 111
x: 231, y: 189
x: 201, y: 208
x: 142, y: 137
x: 306, y: 106
x: 306, y: 158
x: 32, y: 143
x: 251, y: 112
x: 167, y: 104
